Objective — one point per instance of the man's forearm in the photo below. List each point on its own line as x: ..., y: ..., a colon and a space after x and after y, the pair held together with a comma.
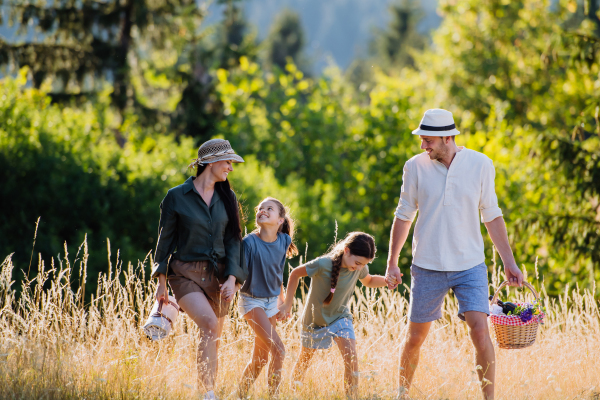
x: 497, y: 231
x: 399, y: 234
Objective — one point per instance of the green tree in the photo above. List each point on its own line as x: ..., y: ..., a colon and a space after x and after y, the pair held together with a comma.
x: 220, y: 46
x: 62, y: 164
x: 285, y: 41
x: 393, y: 46
x: 83, y: 43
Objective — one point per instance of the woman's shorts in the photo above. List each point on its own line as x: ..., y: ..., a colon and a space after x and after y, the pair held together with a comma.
x: 268, y: 304
x: 197, y: 276
x: 322, y: 338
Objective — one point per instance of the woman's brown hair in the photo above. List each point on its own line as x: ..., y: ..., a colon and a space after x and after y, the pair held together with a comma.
x: 232, y: 206
x: 288, y: 224
x: 360, y: 244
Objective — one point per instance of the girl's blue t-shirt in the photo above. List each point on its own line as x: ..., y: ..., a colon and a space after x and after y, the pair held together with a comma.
x: 265, y: 262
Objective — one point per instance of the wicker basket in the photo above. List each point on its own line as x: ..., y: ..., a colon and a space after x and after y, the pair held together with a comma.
x: 510, y: 332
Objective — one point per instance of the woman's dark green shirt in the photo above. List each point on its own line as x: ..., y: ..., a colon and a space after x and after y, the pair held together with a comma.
x: 189, y: 230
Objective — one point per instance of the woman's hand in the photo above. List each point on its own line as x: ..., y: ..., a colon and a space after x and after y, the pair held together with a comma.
x: 162, y: 292
x: 229, y: 288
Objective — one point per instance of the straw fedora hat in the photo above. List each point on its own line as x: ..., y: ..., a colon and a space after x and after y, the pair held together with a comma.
x: 437, y: 122
x: 215, y: 150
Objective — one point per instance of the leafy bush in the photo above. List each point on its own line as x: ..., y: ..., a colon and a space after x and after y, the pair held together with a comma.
x: 66, y: 166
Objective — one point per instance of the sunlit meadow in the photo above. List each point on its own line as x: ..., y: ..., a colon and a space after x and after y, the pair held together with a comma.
x: 55, y: 345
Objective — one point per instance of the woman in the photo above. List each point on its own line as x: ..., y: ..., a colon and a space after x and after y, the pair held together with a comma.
x: 199, y: 250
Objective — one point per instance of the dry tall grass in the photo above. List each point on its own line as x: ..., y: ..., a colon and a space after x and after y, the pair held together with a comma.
x: 53, y: 346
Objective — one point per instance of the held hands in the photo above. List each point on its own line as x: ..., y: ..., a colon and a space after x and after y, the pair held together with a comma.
x: 280, y: 315
x: 229, y: 288
x: 393, y: 276
x: 513, y: 275
x: 284, y: 311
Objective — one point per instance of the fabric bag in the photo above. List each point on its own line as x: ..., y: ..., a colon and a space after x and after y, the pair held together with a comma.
x: 161, y: 320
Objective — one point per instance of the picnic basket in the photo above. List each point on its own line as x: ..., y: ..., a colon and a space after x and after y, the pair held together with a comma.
x: 509, y: 330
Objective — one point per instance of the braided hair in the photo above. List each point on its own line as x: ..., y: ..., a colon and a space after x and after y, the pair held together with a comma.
x: 360, y: 244
x: 287, y: 227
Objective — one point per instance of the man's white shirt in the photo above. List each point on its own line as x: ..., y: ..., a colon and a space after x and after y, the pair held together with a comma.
x: 447, y: 235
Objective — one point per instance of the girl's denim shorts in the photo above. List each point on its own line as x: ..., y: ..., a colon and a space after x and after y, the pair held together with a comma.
x: 322, y: 338
x: 268, y: 304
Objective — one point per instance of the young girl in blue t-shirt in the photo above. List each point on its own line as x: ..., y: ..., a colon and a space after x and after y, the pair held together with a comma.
x: 327, y: 316
x: 265, y: 251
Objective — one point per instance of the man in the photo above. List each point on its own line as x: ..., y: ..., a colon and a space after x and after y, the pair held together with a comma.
x: 449, y: 186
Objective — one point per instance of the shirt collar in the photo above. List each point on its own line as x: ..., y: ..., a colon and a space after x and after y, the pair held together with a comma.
x: 188, y: 186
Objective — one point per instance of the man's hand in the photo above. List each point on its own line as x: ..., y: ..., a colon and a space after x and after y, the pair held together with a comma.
x: 393, y: 276
x: 513, y: 275
x: 398, y: 236
x: 497, y: 230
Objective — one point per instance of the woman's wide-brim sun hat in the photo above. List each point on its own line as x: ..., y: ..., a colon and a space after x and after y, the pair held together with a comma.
x: 437, y: 122
x: 215, y: 150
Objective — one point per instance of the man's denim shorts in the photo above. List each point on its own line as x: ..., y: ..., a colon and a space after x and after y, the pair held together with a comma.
x: 247, y: 303
x: 428, y: 289
x: 322, y: 338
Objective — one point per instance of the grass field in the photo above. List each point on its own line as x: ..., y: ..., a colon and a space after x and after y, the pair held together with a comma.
x: 53, y: 346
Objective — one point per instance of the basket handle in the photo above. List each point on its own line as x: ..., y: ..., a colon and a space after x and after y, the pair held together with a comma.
x: 161, y: 302
x: 506, y: 283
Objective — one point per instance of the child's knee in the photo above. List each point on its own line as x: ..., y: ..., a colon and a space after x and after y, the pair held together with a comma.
x: 278, y: 351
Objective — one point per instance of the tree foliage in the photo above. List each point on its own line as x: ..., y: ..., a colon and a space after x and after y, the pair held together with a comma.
x: 393, y: 46
x: 64, y: 165
x: 79, y: 40
x: 285, y: 41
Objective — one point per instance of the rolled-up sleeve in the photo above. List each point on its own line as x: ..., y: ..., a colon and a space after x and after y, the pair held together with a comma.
x: 488, y: 203
x: 167, y: 236
x: 234, y: 251
x: 408, y: 205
